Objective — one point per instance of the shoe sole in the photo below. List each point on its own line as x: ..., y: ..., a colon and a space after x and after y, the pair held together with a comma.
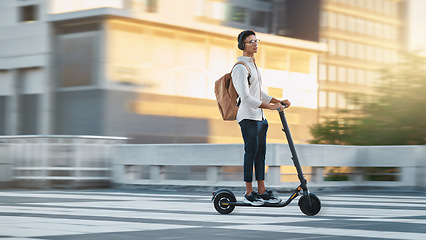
x: 273, y: 201
x: 259, y: 203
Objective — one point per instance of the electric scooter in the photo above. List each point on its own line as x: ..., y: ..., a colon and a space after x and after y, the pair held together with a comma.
x: 224, y: 200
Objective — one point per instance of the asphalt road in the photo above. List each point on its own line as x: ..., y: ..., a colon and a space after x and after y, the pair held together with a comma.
x: 119, y: 214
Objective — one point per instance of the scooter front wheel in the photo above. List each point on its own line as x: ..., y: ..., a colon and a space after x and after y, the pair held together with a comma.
x: 310, y: 206
x: 221, y: 203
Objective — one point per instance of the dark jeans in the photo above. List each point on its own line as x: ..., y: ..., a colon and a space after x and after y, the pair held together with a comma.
x: 254, y: 135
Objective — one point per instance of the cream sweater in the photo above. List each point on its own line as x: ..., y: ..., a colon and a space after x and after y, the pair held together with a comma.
x: 251, y: 97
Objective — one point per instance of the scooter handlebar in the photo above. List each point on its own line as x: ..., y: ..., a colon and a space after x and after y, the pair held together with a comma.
x: 284, y: 104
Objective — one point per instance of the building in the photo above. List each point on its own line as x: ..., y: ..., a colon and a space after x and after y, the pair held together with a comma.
x: 138, y: 69
x: 290, y: 18
x: 362, y: 36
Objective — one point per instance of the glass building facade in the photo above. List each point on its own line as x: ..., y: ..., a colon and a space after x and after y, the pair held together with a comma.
x: 121, y: 68
x: 362, y: 36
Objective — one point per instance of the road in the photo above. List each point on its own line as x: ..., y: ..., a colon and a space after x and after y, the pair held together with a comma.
x: 113, y: 214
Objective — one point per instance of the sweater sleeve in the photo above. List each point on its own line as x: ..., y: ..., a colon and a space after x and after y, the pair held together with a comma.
x: 265, y: 97
x: 239, y: 79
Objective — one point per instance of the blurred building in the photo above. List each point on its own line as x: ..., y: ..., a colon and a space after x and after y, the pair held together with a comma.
x: 291, y: 18
x: 362, y: 36
x: 143, y: 69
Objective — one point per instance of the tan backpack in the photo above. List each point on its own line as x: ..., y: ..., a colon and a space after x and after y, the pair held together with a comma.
x: 227, y: 96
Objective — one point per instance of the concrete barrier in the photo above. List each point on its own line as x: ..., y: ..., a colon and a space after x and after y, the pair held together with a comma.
x: 87, y: 161
x: 6, y: 169
x: 153, y: 165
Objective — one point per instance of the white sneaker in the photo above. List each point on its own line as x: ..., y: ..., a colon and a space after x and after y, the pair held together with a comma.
x: 269, y: 197
x: 253, y: 199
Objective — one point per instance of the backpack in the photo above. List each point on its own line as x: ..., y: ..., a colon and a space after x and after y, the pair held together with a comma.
x: 227, y: 96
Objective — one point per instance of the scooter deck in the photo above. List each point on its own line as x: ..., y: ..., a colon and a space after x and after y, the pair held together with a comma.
x: 266, y: 204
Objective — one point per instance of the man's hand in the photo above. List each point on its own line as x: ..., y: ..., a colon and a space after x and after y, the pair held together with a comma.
x: 276, y: 106
x: 286, y: 102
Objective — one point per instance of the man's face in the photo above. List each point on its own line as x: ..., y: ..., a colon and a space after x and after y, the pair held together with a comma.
x: 251, y: 44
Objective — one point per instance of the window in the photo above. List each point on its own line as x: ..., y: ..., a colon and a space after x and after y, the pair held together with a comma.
x: 258, y: 18
x: 322, y: 72
x: 277, y: 58
x: 237, y: 14
x: 341, y: 48
x: 387, y: 55
x: 370, y: 5
x: 370, y: 28
x: 370, y: 78
x: 332, y: 101
x: 323, y: 21
x: 357, y: 51
x: 360, y: 51
x: 387, y: 31
x: 151, y: 6
x: 360, y: 26
x: 361, y: 3
x: 369, y: 53
x: 332, y: 72
x: 77, y: 59
x: 378, y: 54
x: 29, y: 113
x: 394, y: 33
x: 342, y: 19
x: 299, y: 62
x: 378, y: 29
x: 341, y: 74
x: 378, y: 5
x: 352, y: 24
x: 352, y: 2
x: 351, y: 50
x: 332, y: 20
x: 28, y: 13
x: 128, y: 4
x: 322, y: 102
x: 393, y: 8
x: 351, y: 75
x: 341, y: 101
x: 387, y: 8
x: 332, y: 46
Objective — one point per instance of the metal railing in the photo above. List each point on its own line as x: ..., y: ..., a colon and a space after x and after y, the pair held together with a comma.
x: 59, y: 160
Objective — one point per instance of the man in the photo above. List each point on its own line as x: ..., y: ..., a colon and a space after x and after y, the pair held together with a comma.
x: 251, y: 119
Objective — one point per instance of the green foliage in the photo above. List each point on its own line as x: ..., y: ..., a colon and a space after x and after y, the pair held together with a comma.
x: 334, y: 175
x: 381, y: 173
x: 396, y: 115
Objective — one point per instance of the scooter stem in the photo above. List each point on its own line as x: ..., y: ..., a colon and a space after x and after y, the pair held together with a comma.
x: 293, y: 151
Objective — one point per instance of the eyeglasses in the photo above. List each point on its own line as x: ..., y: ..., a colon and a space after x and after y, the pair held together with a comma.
x: 254, y: 41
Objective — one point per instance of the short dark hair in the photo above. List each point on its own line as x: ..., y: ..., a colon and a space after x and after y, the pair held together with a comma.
x: 242, y: 36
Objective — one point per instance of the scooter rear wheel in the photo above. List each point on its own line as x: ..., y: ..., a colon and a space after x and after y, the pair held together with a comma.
x: 221, y: 200
x: 311, y: 208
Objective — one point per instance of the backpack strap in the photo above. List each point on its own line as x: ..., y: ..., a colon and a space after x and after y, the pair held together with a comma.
x: 248, y: 70
x: 248, y: 77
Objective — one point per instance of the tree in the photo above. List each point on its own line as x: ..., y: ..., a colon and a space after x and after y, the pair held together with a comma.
x: 396, y: 115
